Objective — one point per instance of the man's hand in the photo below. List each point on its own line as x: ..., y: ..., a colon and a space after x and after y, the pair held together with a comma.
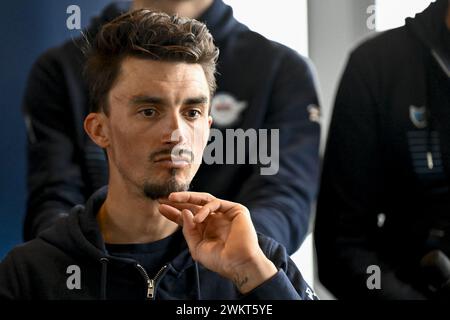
x: 221, y: 236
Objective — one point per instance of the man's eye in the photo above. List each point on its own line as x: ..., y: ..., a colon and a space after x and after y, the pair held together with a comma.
x: 193, y: 114
x: 148, y: 113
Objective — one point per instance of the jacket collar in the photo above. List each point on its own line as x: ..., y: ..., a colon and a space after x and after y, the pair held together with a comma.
x: 90, y: 230
x: 428, y: 26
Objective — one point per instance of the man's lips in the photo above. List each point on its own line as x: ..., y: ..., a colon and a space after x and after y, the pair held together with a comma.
x: 174, y: 159
x: 173, y: 162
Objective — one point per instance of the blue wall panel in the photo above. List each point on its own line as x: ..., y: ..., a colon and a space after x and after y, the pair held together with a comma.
x: 27, y: 29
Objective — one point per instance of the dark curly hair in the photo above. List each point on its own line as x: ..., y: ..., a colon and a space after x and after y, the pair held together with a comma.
x: 149, y: 35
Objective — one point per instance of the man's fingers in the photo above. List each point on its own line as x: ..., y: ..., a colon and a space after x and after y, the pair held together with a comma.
x: 181, y: 205
x: 190, y: 232
x: 198, y: 198
x: 171, y: 213
x: 206, y: 210
x: 202, y: 204
x: 188, y: 218
x: 217, y: 205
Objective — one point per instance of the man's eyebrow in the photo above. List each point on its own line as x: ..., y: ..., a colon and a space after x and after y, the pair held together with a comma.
x: 143, y: 99
x: 196, y: 100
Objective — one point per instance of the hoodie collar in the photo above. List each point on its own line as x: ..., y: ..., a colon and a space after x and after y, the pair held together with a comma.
x: 430, y: 28
x: 220, y: 21
x: 88, y: 218
x: 80, y: 235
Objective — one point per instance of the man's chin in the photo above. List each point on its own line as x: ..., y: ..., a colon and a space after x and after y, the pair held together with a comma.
x: 157, y: 191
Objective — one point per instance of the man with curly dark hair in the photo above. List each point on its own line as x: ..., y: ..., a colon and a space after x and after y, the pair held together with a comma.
x: 151, y: 78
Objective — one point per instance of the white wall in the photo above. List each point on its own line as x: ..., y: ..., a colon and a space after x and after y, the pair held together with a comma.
x: 284, y: 21
x: 304, y: 259
x: 335, y: 27
x: 392, y: 13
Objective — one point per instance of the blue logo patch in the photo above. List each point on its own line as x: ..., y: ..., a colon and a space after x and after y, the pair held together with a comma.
x: 418, y: 116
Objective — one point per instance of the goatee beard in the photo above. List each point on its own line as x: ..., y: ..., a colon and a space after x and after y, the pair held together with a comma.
x: 155, y: 191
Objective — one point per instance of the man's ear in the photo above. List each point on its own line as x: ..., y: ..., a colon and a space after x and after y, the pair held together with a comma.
x: 210, y: 121
x: 96, y: 127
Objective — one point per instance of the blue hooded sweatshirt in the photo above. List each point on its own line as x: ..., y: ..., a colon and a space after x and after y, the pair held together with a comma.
x: 42, y: 269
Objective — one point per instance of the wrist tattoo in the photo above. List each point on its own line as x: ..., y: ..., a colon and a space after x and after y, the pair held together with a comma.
x: 240, y: 281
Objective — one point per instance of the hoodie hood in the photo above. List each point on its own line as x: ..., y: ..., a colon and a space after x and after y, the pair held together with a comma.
x: 220, y: 21
x: 75, y: 241
x: 430, y: 28
x: 79, y: 233
x: 109, y: 13
x: 79, y: 236
x: 218, y: 18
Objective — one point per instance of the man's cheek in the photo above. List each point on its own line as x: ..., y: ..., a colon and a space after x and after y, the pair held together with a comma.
x: 199, y: 139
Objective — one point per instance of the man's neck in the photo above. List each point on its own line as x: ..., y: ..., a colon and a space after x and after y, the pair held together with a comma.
x: 126, y: 217
x: 190, y: 9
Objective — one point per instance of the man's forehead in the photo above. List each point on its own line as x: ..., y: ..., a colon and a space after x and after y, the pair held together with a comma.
x: 162, y: 71
x: 173, y: 81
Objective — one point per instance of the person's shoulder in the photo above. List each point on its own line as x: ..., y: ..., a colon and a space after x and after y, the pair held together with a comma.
x: 71, y: 52
x: 25, y: 253
x: 256, y: 42
x: 397, y: 41
x: 50, y: 243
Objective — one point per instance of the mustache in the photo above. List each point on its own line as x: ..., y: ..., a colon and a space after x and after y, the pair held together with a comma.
x: 178, y: 152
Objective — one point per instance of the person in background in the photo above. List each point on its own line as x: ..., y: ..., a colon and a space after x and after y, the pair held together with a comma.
x: 261, y: 85
x: 383, y: 215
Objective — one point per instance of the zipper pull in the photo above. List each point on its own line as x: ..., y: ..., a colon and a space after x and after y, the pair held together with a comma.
x: 150, y: 288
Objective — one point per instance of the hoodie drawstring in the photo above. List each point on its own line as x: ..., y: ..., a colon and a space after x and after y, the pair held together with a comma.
x: 429, y: 119
x: 429, y: 143
x: 104, y: 262
x: 199, y: 295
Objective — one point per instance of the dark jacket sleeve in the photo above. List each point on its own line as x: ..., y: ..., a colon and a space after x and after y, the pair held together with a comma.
x: 351, y: 194
x: 54, y: 175
x: 280, y: 204
x: 287, y: 283
x: 9, y: 281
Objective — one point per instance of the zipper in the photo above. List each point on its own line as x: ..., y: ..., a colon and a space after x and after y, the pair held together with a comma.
x: 150, y: 282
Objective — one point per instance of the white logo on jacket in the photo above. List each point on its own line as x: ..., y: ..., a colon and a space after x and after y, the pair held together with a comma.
x: 225, y: 109
x: 314, y: 113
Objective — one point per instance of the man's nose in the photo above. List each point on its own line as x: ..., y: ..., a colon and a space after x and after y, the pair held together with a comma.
x: 175, y: 131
